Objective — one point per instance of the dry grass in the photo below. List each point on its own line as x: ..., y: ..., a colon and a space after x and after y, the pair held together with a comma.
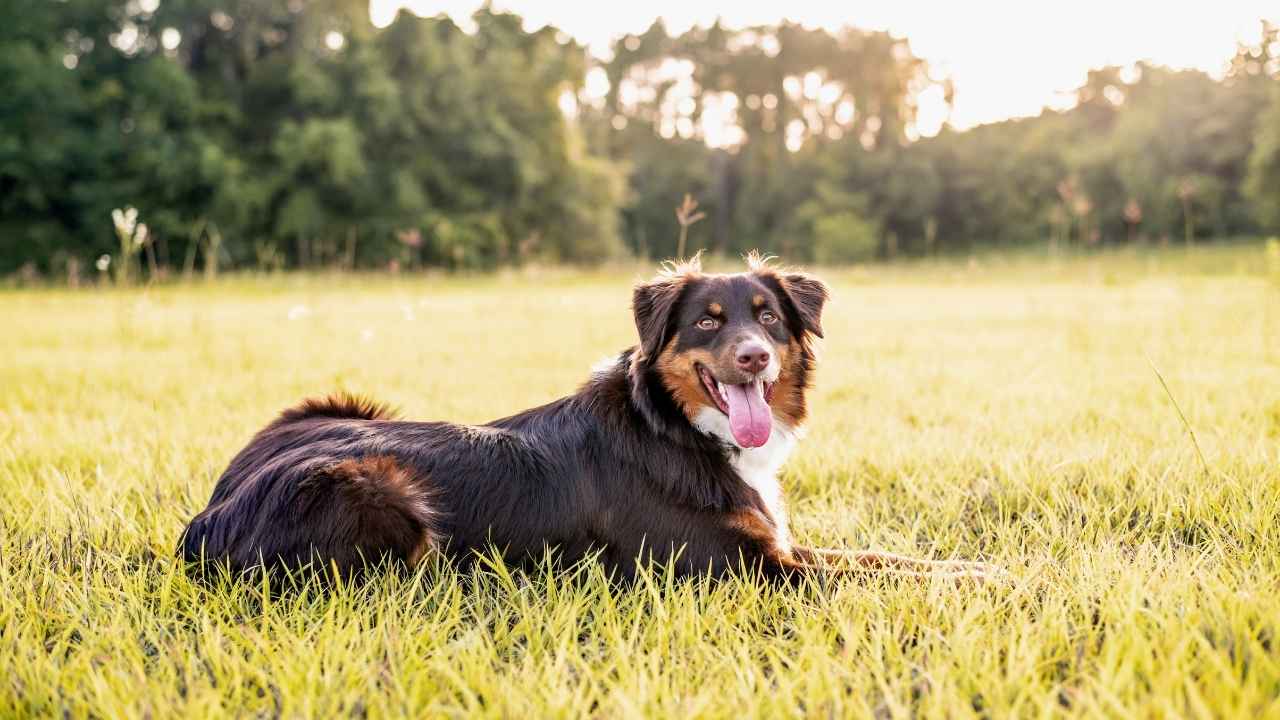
x: 1004, y: 411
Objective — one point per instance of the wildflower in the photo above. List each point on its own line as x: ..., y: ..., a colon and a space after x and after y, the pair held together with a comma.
x: 104, y: 262
x: 140, y: 237
x: 125, y: 220
x: 411, y: 237
x: 1132, y: 212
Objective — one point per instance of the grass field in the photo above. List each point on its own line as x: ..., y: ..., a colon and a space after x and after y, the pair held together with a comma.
x: 1006, y: 410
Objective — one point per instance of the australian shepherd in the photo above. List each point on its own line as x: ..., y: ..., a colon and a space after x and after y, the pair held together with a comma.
x: 668, y: 453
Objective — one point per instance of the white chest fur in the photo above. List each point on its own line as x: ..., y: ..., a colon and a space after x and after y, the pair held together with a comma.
x: 758, y: 467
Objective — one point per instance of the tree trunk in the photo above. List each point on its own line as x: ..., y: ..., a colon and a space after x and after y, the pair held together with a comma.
x: 351, y: 248
x: 1187, y: 223
x: 212, y: 249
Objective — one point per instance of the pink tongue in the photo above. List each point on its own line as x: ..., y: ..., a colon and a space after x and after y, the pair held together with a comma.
x: 748, y: 414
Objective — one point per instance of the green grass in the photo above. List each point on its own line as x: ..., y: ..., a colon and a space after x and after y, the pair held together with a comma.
x: 1003, y: 409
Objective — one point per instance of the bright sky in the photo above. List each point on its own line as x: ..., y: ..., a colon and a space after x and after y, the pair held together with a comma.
x: 1007, y: 58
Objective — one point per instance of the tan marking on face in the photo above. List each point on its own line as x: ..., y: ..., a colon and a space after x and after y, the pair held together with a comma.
x: 715, y: 309
x: 757, y: 301
x: 788, y: 393
x: 680, y: 376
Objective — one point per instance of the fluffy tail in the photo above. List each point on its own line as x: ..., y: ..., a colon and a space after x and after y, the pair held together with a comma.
x: 338, y: 405
x: 342, y: 515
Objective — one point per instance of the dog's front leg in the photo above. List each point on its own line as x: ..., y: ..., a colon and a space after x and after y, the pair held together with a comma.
x: 869, y: 561
x: 794, y: 571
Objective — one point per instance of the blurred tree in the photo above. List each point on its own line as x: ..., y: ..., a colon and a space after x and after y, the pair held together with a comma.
x: 1260, y: 66
x: 1263, y: 186
x: 761, y: 94
x: 248, y: 129
x: 271, y: 132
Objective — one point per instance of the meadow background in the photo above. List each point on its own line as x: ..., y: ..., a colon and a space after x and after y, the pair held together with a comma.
x: 1000, y: 407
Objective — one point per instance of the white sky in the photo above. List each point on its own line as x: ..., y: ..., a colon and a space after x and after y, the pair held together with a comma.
x: 1007, y: 58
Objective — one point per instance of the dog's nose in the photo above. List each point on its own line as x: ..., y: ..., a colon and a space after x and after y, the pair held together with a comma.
x: 752, y: 357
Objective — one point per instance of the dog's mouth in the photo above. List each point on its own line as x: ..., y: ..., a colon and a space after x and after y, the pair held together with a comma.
x: 746, y: 404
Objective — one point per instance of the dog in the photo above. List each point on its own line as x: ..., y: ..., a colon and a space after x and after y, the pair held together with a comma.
x: 668, y: 454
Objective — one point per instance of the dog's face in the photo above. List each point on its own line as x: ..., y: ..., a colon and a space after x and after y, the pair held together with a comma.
x: 738, y: 344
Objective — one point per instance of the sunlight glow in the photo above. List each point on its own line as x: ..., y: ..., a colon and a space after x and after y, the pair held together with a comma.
x: 1006, y: 58
x: 170, y: 38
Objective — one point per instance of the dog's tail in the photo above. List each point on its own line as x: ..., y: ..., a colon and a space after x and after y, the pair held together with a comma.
x: 340, y: 516
x: 338, y: 405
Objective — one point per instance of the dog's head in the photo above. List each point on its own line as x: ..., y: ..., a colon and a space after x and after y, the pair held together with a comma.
x: 735, y: 345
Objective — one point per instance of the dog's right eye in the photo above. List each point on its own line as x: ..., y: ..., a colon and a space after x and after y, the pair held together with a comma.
x: 708, y: 323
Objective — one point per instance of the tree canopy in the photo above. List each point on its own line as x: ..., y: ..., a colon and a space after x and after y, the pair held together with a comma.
x: 824, y: 164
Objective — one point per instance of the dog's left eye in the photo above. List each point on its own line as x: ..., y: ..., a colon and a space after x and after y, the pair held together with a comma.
x: 768, y: 318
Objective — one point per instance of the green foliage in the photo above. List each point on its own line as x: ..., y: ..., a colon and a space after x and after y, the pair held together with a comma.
x: 235, y: 126
x: 294, y: 126
x: 1263, y: 186
x: 839, y: 223
x: 1147, y: 153
x: 844, y: 237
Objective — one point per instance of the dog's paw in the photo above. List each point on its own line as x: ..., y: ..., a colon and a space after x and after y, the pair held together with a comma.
x: 981, y: 572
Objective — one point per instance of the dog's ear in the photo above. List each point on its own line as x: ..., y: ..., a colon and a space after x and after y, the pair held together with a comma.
x: 807, y: 296
x: 652, y: 304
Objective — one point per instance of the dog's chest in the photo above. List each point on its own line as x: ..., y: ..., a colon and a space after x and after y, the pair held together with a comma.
x: 759, y: 467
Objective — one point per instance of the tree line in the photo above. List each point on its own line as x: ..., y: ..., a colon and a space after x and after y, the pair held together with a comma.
x: 824, y: 166
x: 165, y: 136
